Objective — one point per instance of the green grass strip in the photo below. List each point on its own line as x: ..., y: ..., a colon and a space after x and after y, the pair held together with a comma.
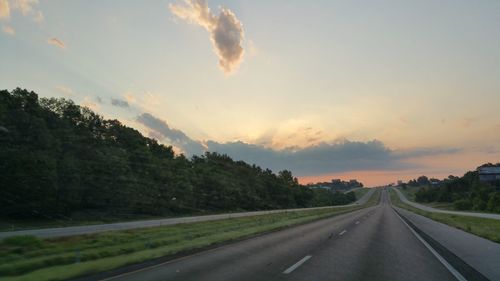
x: 483, y: 227
x: 30, y: 258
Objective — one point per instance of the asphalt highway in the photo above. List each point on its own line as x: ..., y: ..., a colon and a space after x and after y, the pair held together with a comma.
x: 368, y: 244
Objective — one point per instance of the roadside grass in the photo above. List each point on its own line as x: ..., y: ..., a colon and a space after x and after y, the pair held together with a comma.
x: 31, y: 258
x: 360, y: 192
x: 441, y: 205
x: 88, y: 218
x: 410, y: 192
x: 483, y: 227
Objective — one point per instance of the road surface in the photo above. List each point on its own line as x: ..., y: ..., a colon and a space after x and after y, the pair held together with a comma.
x: 434, y: 210
x: 369, y: 244
x: 88, y: 229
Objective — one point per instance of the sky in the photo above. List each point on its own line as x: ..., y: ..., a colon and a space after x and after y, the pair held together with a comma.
x: 373, y: 90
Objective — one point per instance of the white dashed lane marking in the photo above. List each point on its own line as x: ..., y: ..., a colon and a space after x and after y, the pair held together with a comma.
x: 296, y: 265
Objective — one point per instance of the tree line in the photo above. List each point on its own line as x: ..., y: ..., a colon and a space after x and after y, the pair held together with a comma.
x: 58, y: 158
x: 466, y: 193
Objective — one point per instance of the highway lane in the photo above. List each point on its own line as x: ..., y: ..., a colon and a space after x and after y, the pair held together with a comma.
x: 368, y: 244
x: 434, y: 210
x: 88, y: 229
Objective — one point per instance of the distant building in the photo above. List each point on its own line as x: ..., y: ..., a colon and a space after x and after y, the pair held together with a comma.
x: 400, y: 182
x: 434, y: 181
x: 489, y: 173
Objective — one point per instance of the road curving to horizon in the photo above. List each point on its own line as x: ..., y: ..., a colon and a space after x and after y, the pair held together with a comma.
x: 89, y: 229
x: 434, y: 210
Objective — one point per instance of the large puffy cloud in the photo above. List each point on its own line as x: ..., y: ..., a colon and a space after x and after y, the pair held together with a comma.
x: 320, y: 158
x: 4, y: 9
x: 226, y: 31
x: 26, y: 7
x: 160, y: 130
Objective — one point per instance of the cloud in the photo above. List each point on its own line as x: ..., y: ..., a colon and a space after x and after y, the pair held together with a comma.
x: 89, y: 102
x: 321, y: 158
x: 226, y: 31
x: 57, y: 42
x: 4, y: 9
x: 338, y: 156
x: 119, y: 103
x: 38, y: 17
x: 8, y: 29
x: 65, y: 90
x: 317, y: 159
x: 25, y: 7
x: 160, y: 130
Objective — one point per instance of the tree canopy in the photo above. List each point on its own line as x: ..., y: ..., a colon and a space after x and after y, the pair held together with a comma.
x: 58, y: 158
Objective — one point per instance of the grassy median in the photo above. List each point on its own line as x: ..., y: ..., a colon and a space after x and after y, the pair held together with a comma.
x: 359, y: 192
x: 486, y: 228
x: 31, y: 258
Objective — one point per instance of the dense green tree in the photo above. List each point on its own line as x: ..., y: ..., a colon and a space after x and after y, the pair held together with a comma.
x: 58, y: 159
x: 466, y: 193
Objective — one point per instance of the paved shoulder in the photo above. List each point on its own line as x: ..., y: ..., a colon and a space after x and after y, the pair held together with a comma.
x: 481, y: 254
x: 434, y: 210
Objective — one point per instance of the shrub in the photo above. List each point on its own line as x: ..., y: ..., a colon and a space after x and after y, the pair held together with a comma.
x: 478, y: 204
x: 494, y: 202
x: 27, y: 241
x: 462, y: 204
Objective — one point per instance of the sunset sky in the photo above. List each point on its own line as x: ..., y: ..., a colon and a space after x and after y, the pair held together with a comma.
x: 373, y: 90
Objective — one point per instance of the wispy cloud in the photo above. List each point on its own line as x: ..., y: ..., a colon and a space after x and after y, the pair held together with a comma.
x: 226, y: 31
x: 160, y: 130
x: 65, y: 90
x: 57, y: 42
x: 89, y: 102
x: 8, y: 29
x: 119, y: 103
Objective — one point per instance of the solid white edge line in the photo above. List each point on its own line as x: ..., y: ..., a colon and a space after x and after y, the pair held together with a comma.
x: 299, y: 263
x: 342, y: 233
x: 448, y: 266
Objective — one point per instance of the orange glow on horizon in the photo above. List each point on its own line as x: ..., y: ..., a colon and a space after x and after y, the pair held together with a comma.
x: 369, y: 178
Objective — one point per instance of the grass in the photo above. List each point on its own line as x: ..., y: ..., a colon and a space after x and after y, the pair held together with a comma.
x: 31, y: 258
x: 483, y: 227
x: 441, y: 205
x: 410, y: 192
x: 87, y: 218
x: 12, y: 225
x: 360, y: 192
